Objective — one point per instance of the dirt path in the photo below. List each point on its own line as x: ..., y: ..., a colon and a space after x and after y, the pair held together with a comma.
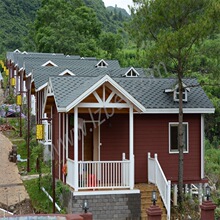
x: 13, y: 195
x: 12, y: 190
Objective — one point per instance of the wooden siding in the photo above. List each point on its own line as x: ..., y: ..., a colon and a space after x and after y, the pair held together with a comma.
x: 151, y: 134
x: 114, y: 137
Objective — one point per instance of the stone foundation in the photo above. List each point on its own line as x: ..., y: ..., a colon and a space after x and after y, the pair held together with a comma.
x: 108, y: 207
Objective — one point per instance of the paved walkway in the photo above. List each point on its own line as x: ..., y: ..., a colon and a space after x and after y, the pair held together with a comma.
x: 12, y: 190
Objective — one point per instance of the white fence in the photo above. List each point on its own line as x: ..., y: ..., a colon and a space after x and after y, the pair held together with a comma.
x: 157, y: 177
x: 99, y: 174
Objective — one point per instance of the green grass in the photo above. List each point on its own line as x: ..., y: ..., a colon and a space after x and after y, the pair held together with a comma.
x: 40, y: 201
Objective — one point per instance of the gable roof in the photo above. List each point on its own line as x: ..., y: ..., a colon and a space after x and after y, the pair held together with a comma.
x: 148, y: 93
x: 78, y: 88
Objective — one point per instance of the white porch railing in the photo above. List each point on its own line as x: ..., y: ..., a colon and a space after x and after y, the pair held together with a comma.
x: 47, y: 131
x: 156, y: 176
x: 99, y: 174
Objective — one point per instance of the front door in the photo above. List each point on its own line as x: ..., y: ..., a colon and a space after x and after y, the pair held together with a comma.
x: 91, y: 142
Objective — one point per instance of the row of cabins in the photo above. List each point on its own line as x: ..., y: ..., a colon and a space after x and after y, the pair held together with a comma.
x: 105, y: 123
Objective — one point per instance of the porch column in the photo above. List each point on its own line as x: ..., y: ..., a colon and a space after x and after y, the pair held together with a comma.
x: 76, y: 175
x: 131, y: 147
x: 202, y: 146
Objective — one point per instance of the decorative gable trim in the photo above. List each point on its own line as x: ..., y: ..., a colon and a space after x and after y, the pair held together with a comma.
x: 49, y: 63
x: 49, y: 89
x: 67, y: 72
x: 131, y: 73
x: 102, y: 64
x: 92, y: 89
x: 41, y: 87
x: 17, y: 51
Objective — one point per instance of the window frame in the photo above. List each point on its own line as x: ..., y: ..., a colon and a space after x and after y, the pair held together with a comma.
x: 176, y: 95
x: 173, y: 151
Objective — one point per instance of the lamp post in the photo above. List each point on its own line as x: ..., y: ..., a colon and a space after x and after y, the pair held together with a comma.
x: 208, y: 192
x: 85, y: 206
x: 207, y: 207
x: 154, y: 197
x: 154, y: 212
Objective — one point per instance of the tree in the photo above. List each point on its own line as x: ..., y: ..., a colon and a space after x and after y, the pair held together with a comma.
x: 64, y: 26
x: 111, y: 43
x: 169, y: 30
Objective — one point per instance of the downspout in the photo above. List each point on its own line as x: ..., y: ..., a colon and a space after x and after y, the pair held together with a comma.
x: 51, y: 199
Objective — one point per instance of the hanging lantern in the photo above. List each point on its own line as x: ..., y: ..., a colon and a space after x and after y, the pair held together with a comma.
x: 40, y: 132
x: 19, y: 100
x: 13, y: 81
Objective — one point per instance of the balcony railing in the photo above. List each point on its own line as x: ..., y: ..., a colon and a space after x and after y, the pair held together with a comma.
x: 99, y: 174
x: 157, y: 177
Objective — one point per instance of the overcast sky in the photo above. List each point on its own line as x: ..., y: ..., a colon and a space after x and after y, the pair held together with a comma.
x: 120, y: 3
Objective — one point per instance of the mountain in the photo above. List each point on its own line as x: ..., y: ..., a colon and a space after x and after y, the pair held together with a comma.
x: 118, y: 11
x: 112, y: 19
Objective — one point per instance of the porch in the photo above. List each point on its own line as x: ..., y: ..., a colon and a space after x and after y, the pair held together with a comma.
x: 101, y: 175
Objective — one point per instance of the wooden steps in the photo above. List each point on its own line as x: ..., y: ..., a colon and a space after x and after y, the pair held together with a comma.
x: 146, y: 193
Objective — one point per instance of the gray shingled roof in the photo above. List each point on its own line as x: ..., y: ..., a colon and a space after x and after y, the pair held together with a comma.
x: 149, y: 92
x: 42, y: 74
x: 31, y: 60
x: 67, y: 89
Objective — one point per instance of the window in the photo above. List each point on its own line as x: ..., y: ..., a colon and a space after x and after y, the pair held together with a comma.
x: 176, y: 95
x: 173, y: 137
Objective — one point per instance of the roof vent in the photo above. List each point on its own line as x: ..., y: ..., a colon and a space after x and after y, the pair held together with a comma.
x: 102, y: 64
x: 131, y: 73
x: 49, y: 63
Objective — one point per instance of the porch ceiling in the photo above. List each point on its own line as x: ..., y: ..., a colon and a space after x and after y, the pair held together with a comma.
x: 49, y: 102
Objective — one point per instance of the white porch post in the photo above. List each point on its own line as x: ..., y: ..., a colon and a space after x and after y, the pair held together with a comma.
x: 76, y: 175
x: 67, y: 136
x: 202, y: 146
x: 59, y: 145
x: 131, y: 147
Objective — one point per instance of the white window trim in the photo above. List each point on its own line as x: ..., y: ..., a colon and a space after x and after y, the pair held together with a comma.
x: 175, y: 93
x: 133, y: 72
x: 169, y: 131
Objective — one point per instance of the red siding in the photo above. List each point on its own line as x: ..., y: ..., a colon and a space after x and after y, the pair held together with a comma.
x: 151, y: 134
x: 114, y: 136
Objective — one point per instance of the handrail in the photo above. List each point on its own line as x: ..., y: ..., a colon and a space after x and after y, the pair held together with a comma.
x: 99, y: 174
x: 157, y: 177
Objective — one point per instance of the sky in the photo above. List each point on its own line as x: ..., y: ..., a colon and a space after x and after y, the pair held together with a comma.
x: 120, y: 3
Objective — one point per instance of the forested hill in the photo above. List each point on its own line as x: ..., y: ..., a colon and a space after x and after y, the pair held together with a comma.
x: 18, y: 16
x: 15, y: 17
x: 111, y: 19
